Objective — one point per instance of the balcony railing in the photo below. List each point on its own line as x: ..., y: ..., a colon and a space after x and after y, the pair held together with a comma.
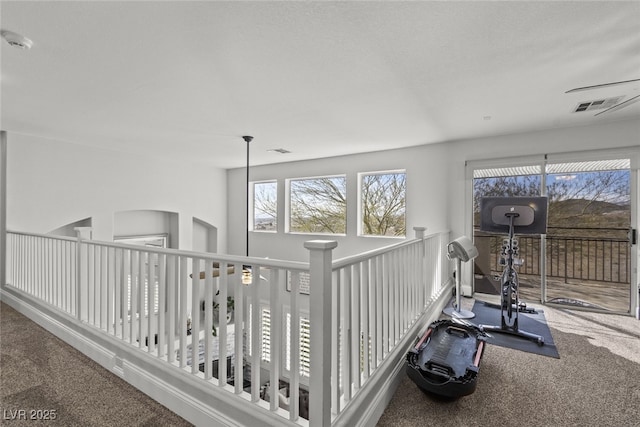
x: 600, y: 255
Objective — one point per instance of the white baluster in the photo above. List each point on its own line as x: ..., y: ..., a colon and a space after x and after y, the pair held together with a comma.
x: 276, y: 337
x: 162, y: 303
x: 208, y: 318
x: 223, y: 288
x: 364, y: 307
x: 142, y: 286
x: 256, y: 330
x: 195, y: 314
x: 335, y: 341
x: 356, y: 334
x: 151, y: 302
x: 346, y: 333
x: 238, y: 291
x: 182, y: 326
x: 294, y: 347
x: 172, y: 300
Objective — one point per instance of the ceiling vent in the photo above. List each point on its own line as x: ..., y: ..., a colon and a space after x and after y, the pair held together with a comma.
x: 598, y: 104
x: 279, y: 150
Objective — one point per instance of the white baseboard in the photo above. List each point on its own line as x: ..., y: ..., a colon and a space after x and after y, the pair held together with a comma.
x: 185, y: 394
x: 176, y: 389
x: 378, y: 392
x: 56, y: 326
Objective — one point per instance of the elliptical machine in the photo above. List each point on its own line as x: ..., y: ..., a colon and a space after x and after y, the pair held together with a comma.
x: 525, y: 215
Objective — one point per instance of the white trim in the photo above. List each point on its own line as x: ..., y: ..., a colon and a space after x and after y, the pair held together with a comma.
x: 632, y: 153
x: 147, y: 373
x: 252, y: 202
x: 3, y: 208
x: 376, y: 394
x: 359, y: 201
x: 603, y: 154
x: 169, y: 396
x: 55, y: 326
x: 288, y: 182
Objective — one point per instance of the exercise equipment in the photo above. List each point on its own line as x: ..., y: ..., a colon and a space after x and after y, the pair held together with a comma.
x: 522, y: 215
x: 446, y: 360
x: 461, y: 249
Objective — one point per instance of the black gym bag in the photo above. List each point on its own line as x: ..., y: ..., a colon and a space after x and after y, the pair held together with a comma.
x: 446, y: 360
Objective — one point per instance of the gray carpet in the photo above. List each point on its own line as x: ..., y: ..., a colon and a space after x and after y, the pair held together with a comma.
x: 595, y: 383
x: 43, y: 377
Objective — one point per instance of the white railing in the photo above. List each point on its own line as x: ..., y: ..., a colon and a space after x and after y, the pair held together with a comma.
x: 378, y: 296
x: 148, y: 298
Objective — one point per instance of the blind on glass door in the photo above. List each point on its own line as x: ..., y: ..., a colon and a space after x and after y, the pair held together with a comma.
x: 589, y: 166
x: 507, y: 171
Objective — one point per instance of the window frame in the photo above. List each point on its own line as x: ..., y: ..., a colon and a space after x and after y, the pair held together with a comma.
x: 288, y: 221
x: 360, y: 228
x: 252, y: 211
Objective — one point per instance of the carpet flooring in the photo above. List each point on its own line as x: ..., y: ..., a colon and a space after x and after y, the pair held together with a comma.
x: 44, y: 381
x: 594, y: 383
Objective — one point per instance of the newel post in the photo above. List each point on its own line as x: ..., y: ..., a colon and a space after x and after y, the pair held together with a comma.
x: 82, y: 233
x: 320, y: 259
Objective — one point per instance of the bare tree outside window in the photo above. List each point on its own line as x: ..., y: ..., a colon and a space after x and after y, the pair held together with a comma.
x: 383, y: 199
x: 578, y: 199
x: 504, y: 186
x: 318, y: 205
x: 586, y: 255
x: 265, y: 206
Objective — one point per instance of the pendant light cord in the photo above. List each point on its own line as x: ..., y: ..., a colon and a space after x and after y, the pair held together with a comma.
x: 248, y: 140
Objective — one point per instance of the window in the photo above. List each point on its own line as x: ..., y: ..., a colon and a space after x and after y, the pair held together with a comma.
x: 382, y: 204
x: 318, y: 205
x: 265, y: 339
x: 152, y: 241
x: 265, y: 206
x: 305, y: 345
x: 266, y: 335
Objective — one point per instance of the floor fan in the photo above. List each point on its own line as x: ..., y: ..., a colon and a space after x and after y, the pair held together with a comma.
x: 461, y: 249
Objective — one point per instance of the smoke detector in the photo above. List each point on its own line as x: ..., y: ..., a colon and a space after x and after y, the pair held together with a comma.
x: 16, y: 40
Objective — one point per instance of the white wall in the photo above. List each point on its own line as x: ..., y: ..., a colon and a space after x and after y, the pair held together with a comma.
x: 426, y: 199
x: 435, y: 183
x: 51, y: 184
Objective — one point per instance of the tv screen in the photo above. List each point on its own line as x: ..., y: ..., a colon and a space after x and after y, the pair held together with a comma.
x: 529, y: 214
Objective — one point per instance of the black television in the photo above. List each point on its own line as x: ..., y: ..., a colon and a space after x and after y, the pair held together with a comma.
x: 529, y: 214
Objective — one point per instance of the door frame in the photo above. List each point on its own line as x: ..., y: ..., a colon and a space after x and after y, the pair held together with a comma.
x: 574, y: 156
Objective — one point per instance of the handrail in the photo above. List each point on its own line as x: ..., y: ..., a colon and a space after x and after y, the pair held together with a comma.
x: 266, y: 262
x: 352, y: 259
x: 47, y: 236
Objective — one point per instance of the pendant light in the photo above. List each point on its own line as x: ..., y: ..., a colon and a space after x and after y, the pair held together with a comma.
x: 246, y: 269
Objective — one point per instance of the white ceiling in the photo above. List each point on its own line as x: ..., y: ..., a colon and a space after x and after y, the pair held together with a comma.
x: 187, y: 79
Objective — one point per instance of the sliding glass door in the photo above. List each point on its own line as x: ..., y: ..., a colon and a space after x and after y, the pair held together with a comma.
x: 587, y: 258
x: 512, y: 181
